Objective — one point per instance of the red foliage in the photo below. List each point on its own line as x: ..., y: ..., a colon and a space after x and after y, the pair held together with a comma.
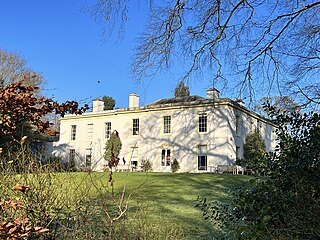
x: 18, y: 103
x: 19, y: 227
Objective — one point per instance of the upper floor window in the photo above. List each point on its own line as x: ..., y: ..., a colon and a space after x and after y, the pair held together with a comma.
x: 73, y: 132
x: 107, y: 130
x: 203, y: 122
x: 167, y: 124
x: 89, y: 132
x: 259, y: 126
x: 135, y: 126
x: 251, y: 122
x: 238, y: 125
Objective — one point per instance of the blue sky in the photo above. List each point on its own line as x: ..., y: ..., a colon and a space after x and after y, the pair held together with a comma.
x: 64, y: 44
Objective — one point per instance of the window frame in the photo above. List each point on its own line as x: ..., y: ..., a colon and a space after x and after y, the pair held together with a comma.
x: 89, y: 134
x: 135, y: 127
x: 88, y: 158
x: 165, y: 160
x: 134, y: 157
x: 73, y: 133
x: 202, y: 122
x: 107, y: 130
x: 238, y: 125
x: 238, y: 152
x: 166, y: 124
x: 202, y: 157
x: 72, y: 154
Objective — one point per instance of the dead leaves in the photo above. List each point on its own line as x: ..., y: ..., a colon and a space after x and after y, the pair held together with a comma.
x: 18, y: 103
x: 19, y: 227
x: 10, y: 204
x: 21, y: 188
x: 23, y: 139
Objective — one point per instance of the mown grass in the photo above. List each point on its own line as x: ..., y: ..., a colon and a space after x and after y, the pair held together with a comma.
x: 167, y: 199
x: 160, y: 205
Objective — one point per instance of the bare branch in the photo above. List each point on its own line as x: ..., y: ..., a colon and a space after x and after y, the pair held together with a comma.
x: 260, y: 43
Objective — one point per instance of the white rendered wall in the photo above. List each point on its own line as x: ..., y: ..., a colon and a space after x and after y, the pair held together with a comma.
x: 220, y: 138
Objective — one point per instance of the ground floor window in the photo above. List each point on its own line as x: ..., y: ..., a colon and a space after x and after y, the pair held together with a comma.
x: 238, y: 153
x: 202, y: 157
x: 88, y: 157
x: 134, y: 157
x: 72, y: 155
x: 165, y: 157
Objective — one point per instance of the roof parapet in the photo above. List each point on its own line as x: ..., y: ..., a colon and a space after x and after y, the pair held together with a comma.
x: 240, y: 102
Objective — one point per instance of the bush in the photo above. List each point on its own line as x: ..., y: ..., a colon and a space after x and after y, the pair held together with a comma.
x: 254, y: 154
x: 175, y: 166
x: 146, y: 166
x: 285, y: 205
x: 55, y: 163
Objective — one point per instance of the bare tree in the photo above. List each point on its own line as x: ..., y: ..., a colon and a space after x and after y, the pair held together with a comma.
x: 267, y: 46
x: 281, y: 103
x: 13, y: 69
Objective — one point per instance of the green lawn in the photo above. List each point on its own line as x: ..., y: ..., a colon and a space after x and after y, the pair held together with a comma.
x: 160, y: 205
x: 167, y: 199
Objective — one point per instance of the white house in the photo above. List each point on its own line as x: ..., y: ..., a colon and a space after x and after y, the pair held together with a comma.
x: 200, y: 132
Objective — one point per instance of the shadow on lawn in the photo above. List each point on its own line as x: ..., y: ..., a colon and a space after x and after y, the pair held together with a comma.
x: 171, y: 199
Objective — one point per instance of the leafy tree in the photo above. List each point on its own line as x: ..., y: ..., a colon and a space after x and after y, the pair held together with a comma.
x: 14, y: 69
x: 181, y: 90
x: 21, y: 108
x: 271, y: 42
x: 254, y: 153
x: 109, y: 102
x: 113, y: 147
x: 175, y: 166
x: 286, y: 204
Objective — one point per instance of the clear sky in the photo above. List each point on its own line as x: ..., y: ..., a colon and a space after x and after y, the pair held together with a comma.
x: 64, y: 44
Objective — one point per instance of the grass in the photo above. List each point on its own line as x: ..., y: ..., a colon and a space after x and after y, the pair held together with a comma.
x: 160, y: 205
x: 170, y: 199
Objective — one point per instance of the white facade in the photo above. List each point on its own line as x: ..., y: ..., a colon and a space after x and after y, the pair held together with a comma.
x: 199, y: 132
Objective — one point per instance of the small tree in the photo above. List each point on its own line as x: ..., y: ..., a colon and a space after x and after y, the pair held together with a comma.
x: 109, y: 102
x: 181, y: 90
x: 146, y: 166
x: 113, y: 147
x: 254, y: 153
x: 175, y: 166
